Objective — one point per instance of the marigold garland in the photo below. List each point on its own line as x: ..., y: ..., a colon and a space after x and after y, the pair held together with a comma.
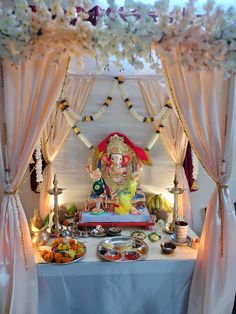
x: 72, y: 117
x: 134, y: 113
x: 63, y: 105
x: 77, y: 131
x: 159, y: 128
x: 120, y: 79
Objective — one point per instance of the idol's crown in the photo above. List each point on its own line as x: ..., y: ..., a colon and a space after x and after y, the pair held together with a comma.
x: 116, y: 145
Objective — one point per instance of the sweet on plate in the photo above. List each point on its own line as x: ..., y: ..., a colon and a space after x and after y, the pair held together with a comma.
x: 63, y: 251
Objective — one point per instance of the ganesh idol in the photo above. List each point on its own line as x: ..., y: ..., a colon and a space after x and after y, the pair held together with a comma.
x: 116, y: 170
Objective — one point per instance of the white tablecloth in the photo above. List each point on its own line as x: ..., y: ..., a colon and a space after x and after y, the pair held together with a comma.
x: 159, y: 284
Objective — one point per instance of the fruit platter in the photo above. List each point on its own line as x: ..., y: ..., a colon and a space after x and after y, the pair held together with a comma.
x: 122, y: 249
x: 63, y: 251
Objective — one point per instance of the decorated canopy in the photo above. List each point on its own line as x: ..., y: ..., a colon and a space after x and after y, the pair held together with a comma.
x: 195, y: 53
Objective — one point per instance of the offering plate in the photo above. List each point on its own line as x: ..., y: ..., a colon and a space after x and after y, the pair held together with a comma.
x: 139, y: 235
x: 57, y: 255
x: 122, y: 249
x: 99, y: 231
x: 154, y: 237
x: 167, y: 229
x: 114, y: 231
x: 174, y: 240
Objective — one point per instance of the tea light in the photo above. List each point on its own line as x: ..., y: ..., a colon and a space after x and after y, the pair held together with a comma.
x: 195, y: 243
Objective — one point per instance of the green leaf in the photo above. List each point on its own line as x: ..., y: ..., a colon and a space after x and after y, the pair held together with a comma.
x: 46, y: 220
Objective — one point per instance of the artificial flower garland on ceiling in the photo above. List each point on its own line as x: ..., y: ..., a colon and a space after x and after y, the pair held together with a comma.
x: 139, y: 33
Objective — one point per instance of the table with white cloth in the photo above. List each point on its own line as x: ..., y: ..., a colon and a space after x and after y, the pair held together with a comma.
x: 159, y: 284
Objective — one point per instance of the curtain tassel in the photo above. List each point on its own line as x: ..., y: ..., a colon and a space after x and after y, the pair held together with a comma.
x: 222, y: 222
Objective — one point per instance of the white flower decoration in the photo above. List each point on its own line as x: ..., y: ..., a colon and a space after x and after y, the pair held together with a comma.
x: 134, y: 33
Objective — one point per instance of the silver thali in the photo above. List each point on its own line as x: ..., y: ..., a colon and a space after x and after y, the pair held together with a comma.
x: 122, y: 249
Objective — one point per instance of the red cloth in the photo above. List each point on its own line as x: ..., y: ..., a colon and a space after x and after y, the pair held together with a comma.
x: 140, y: 152
x: 188, y: 168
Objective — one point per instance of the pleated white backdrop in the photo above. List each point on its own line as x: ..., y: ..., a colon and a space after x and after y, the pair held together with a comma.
x: 70, y: 162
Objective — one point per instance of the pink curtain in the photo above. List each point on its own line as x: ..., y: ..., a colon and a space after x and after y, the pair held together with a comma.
x: 76, y: 92
x: 206, y: 106
x: 30, y: 91
x: 174, y: 139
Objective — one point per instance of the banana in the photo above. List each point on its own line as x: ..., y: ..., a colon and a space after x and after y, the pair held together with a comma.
x: 153, y: 204
x: 149, y: 203
x: 167, y: 205
x: 157, y: 204
x: 161, y: 201
x: 148, y: 200
x: 148, y: 194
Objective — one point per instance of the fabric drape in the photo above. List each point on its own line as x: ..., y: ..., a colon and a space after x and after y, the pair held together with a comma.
x: 173, y: 136
x: 30, y: 90
x: 206, y: 106
x: 57, y: 129
x: 189, y: 168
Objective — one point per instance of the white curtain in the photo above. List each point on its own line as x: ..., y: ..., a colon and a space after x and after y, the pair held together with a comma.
x: 155, y: 95
x: 206, y: 106
x: 57, y: 129
x: 70, y: 162
x: 30, y: 91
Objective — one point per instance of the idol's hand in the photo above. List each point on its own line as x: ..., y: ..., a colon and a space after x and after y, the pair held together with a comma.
x: 136, y: 175
x: 140, y: 166
x: 88, y: 167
